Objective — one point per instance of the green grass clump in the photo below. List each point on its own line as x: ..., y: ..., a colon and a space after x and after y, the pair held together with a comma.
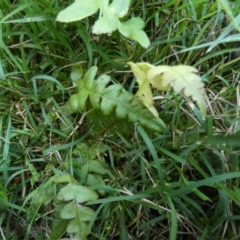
x: 138, y: 183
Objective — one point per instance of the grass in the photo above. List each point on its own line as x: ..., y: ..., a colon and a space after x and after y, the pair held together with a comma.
x: 181, y: 184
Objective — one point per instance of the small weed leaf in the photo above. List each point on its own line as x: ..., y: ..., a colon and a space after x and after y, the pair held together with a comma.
x: 73, y: 103
x: 94, y: 180
x: 108, y: 23
x: 69, y: 211
x: 73, y: 209
x: 79, y: 228
x: 62, y: 179
x: 120, y: 7
x: 80, y: 194
x: 93, y: 166
x: 58, y: 228
x: 114, y: 99
x: 43, y: 194
x: 133, y: 29
x: 79, y: 10
x: 109, y: 18
x: 85, y: 213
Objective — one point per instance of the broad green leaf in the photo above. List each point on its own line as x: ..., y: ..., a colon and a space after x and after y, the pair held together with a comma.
x: 79, y: 10
x: 74, y: 226
x: 85, y: 214
x: 44, y: 194
x: 94, y: 166
x: 73, y: 209
x: 108, y: 23
x: 104, y: 5
x: 94, y: 180
x: 69, y: 210
x: 62, y: 179
x: 58, y: 228
x: 119, y: 7
x: 78, y: 227
x: 144, y: 92
x: 79, y: 193
x: 133, y: 29
x: 59, y: 205
x: 135, y: 23
x: 141, y: 37
x: 181, y: 78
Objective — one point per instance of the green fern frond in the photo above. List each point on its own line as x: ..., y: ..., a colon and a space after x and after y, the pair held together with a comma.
x: 112, y: 99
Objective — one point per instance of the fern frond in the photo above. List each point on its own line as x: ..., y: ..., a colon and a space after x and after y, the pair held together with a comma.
x: 112, y: 99
x: 183, y: 79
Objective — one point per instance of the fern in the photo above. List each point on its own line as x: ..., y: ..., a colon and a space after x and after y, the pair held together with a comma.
x: 112, y: 99
x: 182, y: 78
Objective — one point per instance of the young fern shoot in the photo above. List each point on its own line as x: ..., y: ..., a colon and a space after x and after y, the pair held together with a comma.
x: 181, y: 78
